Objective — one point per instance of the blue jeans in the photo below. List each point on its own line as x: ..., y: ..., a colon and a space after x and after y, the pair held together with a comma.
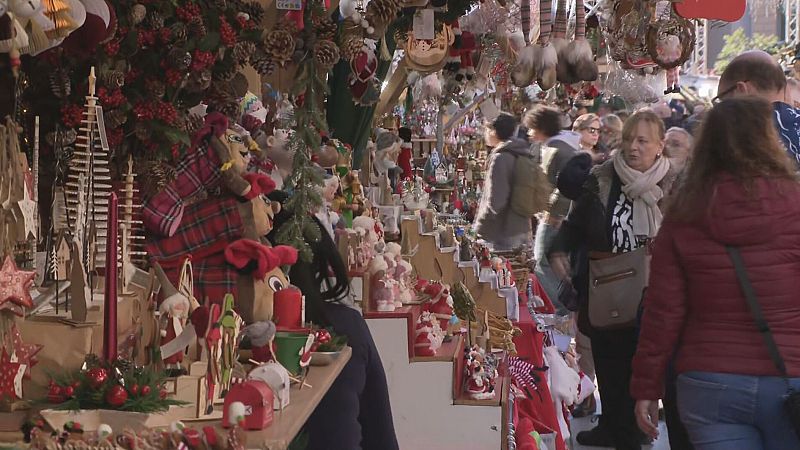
x: 730, y: 412
x: 544, y: 238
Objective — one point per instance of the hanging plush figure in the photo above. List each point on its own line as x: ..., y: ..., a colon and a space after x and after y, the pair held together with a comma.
x: 670, y: 43
x: 33, y: 20
x: 406, y: 153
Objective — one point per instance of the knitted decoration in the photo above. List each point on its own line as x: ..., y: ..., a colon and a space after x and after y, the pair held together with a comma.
x: 326, y: 54
x: 279, y: 46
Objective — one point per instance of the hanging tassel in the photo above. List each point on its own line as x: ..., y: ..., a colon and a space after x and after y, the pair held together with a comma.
x: 385, y: 55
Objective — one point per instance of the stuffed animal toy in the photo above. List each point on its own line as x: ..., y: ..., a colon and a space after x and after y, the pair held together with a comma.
x: 223, y: 233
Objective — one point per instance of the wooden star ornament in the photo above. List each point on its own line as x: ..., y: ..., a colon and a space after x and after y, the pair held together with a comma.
x: 10, y: 377
x: 25, y: 353
x: 15, y: 285
x: 26, y: 213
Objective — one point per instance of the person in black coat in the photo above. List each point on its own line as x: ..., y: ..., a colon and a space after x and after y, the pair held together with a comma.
x: 355, y: 413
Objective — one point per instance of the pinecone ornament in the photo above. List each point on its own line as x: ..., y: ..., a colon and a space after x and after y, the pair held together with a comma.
x: 221, y: 4
x: 262, y: 64
x: 180, y: 59
x: 326, y: 54
x: 113, y: 79
x: 115, y: 118
x: 242, y: 51
x: 226, y: 73
x: 324, y: 27
x: 60, y: 84
x: 156, y: 88
x: 199, y: 82
x: 197, y: 27
x: 380, y: 13
x: 179, y: 32
x: 351, y: 46
x: 254, y: 10
x: 142, y: 131
x: 193, y: 123
x: 138, y: 13
x: 279, y: 46
x: 157, y: 174
x: 155, y: 20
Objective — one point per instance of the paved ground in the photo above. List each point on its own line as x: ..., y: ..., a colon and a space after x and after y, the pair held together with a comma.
x: 587, y: 423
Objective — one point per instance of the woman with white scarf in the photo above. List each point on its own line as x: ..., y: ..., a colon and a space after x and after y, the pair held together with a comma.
x: 617, y: 212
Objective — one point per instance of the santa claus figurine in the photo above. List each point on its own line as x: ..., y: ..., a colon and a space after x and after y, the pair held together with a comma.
x: 174, y: 312
x: 404, y: 160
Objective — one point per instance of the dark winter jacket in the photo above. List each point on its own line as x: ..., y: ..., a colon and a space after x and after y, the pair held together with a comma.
x: 694, y: 303
x: 495, y: 221
x: 556, y: 153
x: 787, y: 121
x: 587, y: 228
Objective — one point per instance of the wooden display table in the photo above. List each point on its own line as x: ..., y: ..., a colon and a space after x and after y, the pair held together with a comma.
x: 287, y: 423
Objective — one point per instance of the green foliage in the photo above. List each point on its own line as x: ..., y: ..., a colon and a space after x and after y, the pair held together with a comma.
x: 738, y: 42
x: 463, y: 303
x: 306, y: 180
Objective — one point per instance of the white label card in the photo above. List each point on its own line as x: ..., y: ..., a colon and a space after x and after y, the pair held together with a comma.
x: 423, y: 24
x: 290, y: 5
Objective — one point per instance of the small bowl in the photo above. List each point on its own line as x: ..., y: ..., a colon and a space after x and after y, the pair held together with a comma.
x: 323, y: 358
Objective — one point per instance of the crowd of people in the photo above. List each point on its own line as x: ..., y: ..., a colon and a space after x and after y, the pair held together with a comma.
x: 675, y: 245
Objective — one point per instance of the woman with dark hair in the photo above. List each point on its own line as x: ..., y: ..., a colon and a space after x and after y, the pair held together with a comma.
x: 355, y: 413
x: 738, y: 205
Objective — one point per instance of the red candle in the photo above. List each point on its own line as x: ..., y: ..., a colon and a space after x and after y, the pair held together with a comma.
x: 110, y: 303
x: 287, y: 310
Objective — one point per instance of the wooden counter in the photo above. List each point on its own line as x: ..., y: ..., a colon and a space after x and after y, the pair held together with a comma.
x: 287, y: 423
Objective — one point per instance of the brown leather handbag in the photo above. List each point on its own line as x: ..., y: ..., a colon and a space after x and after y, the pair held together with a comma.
x: 616, y: 284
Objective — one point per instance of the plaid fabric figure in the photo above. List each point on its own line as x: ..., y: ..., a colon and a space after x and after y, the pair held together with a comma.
x: 218, y: 277
x: 207, y: 228
x: 164, y: 212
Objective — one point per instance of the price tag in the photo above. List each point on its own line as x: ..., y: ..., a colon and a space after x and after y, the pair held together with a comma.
x: 289, y: 5
x: 423, y: 24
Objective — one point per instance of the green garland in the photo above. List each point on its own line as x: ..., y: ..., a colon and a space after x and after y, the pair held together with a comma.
x: 306, y: 180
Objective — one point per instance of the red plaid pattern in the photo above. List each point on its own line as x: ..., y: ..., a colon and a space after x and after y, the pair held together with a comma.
x: 207, y: 228
x: 214, y: 278
x: 164, y: 212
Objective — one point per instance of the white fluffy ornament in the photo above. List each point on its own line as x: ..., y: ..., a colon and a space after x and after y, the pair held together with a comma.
x: 104, y: 431
x: 236, y: 412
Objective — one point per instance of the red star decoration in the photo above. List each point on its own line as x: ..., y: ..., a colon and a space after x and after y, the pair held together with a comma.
x: 25, y: 353
x: 15, y: 285
x: 8, y: 376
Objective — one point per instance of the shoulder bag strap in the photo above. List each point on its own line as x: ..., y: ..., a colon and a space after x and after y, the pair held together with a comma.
x: 755, y: 309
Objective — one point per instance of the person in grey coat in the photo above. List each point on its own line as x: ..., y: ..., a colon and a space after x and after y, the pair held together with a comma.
x: 558, y: 147
x: 495, y: 222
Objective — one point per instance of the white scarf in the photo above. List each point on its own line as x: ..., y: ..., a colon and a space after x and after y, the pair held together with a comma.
x: 642, y: 188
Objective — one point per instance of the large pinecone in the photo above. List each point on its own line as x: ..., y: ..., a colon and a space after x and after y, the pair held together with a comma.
x: 156, y: 88
x: 156, y: 174
x: 262, y: 64
x: 351, y: 46
x: 115, y: 118
x: 197, y: 27
x: 193, y: 124
x: 179, y: 58
x: 380, y: 13
x: 254, y: 10
x: 324, y: 27
x: 179, y: 32
x: 138, y: 13
x: 199, y: 82
x: 326, y: 54
x: 226, y: 73
x: 113, y: 79
x: 279, y: 46
x: 60, y: 84
x: 242, y: 51
x: 155, y: 20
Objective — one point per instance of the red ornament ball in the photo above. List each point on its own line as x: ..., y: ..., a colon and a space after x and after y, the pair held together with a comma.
x: 117, y: 396
x: 97, y: 377
x: 55, y: 394
x: 323, y: 336
x: 135, y: 389
x: 162, y: 394
x: 69, y: 391
x: 145, y: 390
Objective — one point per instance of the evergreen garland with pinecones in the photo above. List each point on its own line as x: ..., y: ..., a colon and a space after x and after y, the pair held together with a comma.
x: 306, y: 181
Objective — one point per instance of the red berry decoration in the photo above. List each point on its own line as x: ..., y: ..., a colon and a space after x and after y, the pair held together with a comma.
x: 135, y: 389
x: 145, y: 390
x: 97, y: 377
x: 55, y: 394
x: 69, y: 391
x: 117, y: 396
x: 162, y: 394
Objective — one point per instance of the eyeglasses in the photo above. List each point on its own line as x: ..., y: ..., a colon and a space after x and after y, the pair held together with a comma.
x: 592, y: 130
x: 721, y: 96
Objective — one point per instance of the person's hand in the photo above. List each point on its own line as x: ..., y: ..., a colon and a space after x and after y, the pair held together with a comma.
x: 647, y: 417
x: 559, y: 262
